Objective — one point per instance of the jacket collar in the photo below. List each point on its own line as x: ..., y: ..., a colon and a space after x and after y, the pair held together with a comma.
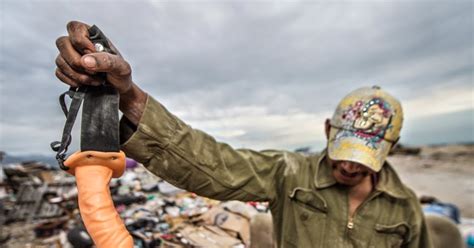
x: 388, y: 182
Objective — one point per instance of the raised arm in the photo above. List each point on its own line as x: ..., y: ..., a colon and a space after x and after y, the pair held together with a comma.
x: 186, y: 157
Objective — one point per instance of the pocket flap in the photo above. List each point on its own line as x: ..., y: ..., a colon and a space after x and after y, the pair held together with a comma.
x: 402, y: 229
x: 309, y: 198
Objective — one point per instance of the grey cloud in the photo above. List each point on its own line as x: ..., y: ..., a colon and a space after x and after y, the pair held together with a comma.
x: 340, y: 56
x: 210, y: 56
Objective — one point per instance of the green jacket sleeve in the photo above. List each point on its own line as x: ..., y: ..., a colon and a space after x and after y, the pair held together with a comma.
x: 420, y: 237
x: 193, y: 160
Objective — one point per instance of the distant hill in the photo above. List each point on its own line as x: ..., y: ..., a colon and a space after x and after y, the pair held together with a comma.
x: 50, y: 160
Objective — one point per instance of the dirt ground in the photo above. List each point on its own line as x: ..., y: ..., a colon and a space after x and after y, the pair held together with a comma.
x: 446, y: 172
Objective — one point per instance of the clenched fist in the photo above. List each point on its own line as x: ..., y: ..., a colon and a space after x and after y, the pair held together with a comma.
x: 78, y: 64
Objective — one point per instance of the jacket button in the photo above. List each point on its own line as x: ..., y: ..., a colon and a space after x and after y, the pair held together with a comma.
x: 304, y: 216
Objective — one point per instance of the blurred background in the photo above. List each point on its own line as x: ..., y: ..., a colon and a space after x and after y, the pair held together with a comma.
x: 258, y: 74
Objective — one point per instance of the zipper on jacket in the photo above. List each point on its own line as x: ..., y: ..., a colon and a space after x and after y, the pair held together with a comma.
x: 350, y: 223
x: 350, y: 219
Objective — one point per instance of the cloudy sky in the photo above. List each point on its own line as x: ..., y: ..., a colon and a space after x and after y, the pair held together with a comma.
x: 253, y: 74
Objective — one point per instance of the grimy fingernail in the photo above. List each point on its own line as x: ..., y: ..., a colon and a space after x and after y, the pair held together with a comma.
x: 90, y: 61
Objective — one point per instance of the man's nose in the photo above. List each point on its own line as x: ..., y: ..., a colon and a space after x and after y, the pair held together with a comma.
x: 350, y: 167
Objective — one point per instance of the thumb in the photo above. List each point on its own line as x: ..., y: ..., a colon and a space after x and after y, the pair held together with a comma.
x: 106, y: 62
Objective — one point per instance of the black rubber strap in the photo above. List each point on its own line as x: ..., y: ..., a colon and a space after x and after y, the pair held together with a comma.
x: 77, y: 95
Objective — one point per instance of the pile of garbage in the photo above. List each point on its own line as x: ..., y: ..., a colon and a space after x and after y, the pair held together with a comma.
x: 39, y: 209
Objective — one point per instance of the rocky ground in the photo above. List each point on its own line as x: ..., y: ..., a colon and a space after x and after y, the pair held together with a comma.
x: 445, y: 172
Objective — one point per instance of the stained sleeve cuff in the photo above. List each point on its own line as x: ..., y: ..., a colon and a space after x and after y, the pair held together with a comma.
x: 155, y: 129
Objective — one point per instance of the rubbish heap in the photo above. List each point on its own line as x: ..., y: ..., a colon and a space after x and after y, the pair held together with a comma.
x: 39, y: 209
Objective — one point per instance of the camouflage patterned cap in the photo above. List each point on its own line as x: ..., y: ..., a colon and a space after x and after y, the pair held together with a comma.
x: 365, y: 125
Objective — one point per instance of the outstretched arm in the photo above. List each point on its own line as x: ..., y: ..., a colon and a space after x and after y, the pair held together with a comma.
x: 195, y: 161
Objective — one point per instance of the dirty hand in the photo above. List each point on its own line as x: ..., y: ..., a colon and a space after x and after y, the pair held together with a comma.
x: 77, y: 62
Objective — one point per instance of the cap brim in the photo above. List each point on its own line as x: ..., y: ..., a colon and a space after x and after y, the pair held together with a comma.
x: 368, y: 151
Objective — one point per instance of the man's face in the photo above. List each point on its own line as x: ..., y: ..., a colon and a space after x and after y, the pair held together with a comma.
x: 349, y: 173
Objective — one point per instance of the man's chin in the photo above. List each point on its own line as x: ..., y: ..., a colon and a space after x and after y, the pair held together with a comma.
x: 347, y: 181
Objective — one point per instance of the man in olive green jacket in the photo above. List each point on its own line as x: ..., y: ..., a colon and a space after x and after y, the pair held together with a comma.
x: 347, y: 196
